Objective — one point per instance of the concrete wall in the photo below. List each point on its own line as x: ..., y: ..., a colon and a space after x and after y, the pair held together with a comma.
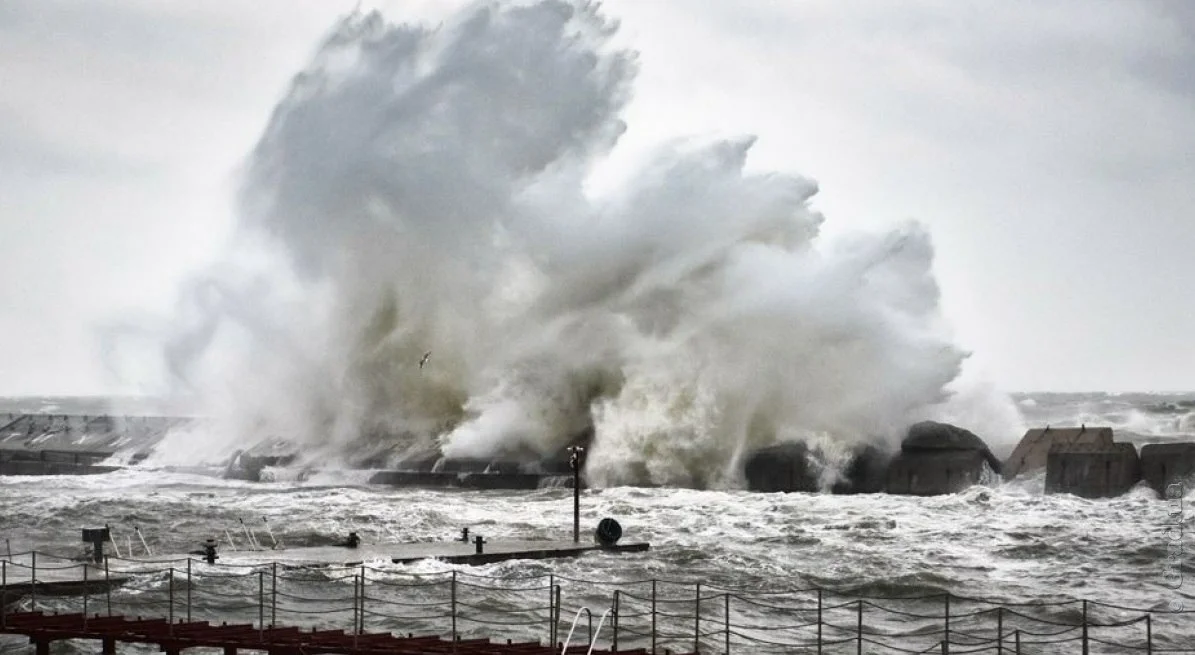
x: 1034, y: 448
x: 1092, y: 470
x: 1165, y: 464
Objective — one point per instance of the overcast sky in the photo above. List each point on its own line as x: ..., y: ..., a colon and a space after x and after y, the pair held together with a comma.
x: 1048, y: 145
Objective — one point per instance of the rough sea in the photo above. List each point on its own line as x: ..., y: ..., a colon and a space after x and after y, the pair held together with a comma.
x: 1009, y: 543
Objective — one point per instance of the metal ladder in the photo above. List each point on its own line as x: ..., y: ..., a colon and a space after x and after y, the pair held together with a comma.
x: 593, y: 637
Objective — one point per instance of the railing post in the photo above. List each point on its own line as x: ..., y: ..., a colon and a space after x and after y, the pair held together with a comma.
x: 1017, y: 640
x: 727, y: 619
x: 85, y: 567
x: 653, y: 616
x: 33, y: 584
x: 551, y: 608
x: 261, y: 605
x: 1149, y: 635
x: 107, y: 587
x: 170, y: 598
x: 188, y: 589
x: 1085, y: 645
x: 3, y: 593
x: 361, y: 614
x: 697, y: 621
x: 946, y: 635
x: 1000, y: 630
x: 556, y: 618
x: 454, y: 611
x: 819, y: 621
x: 356, y: 600
x: 859, y: 627
x: 273, y: 593
x: 614, y: 641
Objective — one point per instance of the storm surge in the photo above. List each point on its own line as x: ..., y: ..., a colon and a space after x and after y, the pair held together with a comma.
x: 421, y: 262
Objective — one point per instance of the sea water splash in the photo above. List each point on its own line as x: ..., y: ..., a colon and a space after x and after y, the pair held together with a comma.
x: 424, y: 189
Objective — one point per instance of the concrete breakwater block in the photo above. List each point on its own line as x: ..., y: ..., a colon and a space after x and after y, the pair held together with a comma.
x: 939, y: 458
x: 1167, y: 464
x: 1092, y: 470
x: 937, y: 472
x: 1034, y: 448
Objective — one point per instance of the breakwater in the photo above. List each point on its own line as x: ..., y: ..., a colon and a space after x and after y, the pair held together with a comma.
x: 933, y: 459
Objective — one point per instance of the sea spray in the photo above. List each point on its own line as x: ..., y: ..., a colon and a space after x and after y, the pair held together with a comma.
x: 421, y: 191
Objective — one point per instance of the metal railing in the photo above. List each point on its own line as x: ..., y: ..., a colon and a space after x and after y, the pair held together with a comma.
x: 656, y: 615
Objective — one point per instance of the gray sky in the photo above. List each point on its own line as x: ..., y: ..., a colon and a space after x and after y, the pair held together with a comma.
x: 1049, y: 146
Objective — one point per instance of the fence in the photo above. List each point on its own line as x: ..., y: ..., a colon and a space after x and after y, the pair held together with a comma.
x: 660, y: 616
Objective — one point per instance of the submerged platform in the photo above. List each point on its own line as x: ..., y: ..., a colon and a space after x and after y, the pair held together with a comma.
x: 453, y: 552
x: 63, y: 577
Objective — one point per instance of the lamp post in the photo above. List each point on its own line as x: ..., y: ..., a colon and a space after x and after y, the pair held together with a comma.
x: 575, y: 462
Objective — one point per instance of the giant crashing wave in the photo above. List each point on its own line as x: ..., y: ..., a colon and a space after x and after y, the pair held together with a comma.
x: 425, y: 189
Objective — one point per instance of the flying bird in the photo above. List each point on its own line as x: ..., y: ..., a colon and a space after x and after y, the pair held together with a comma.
x: 423, y: 362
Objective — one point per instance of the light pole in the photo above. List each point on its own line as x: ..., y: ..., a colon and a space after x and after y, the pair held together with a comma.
x: 575, y: 462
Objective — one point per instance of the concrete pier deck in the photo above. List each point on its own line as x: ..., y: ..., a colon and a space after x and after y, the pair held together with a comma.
x: 453, y: 552
x: 56, y: 576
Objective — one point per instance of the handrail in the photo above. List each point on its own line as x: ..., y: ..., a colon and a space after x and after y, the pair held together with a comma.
x: 573, y: 627
x: 593, y: 641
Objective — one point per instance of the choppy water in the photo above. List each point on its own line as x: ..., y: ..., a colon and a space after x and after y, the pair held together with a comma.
x: 1010, y: 543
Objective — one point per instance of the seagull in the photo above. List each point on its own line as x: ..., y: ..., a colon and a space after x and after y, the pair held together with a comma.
x: 423, y: 362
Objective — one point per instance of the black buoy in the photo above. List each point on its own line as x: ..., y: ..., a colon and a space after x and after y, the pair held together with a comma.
x: 353, y: 541
x: 608, y: 532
